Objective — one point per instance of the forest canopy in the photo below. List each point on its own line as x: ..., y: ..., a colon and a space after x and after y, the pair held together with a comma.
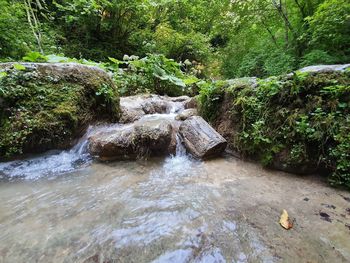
x: 227, y: 38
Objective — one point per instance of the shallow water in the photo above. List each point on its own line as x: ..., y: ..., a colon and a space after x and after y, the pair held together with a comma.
x: 64, y: 207
x: 171, y: 210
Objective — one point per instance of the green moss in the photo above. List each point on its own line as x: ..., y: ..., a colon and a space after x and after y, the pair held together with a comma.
x: 301, y: 120
x: 40, y: 112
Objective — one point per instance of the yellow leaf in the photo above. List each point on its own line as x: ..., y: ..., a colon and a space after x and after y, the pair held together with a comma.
x: 284, y: 221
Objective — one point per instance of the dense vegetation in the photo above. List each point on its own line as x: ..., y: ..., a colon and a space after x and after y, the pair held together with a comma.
x: 229, y: 38
x: 298, y: 123
x: 178, y: 47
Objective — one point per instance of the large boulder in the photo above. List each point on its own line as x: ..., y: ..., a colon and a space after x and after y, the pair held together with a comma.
x: 200, y: 139
x: 48, y: 105
x: 150, y: 137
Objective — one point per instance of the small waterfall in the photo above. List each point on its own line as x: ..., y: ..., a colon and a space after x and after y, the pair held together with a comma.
x: 50, y: 163
x: 57, y: 162
x: 180, y: 148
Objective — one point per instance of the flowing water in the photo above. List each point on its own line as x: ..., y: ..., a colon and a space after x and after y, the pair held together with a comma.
x: 65, y: 207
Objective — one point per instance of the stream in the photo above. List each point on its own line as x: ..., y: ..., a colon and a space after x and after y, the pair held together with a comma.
x: 64, y: 207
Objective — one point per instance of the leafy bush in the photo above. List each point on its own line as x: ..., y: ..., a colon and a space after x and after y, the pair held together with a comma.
x: 16, y: 38
x: 181, y: 46
x: 329, y: 27
x: 317, y: 57
x: 151, y: 74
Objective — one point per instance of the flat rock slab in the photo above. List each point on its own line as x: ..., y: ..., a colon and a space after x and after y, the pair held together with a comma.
x: 200, y: 139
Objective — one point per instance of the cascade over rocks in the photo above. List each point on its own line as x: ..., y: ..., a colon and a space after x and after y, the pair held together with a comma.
x: 157, y: 123
x: 134, y: 108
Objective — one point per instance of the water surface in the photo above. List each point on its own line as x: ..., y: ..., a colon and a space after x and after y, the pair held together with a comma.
x: 64, y: 207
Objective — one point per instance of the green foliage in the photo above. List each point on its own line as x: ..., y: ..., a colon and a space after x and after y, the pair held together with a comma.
x: 210, y: 97
x: 179, y: 45
x: 300, y: 120
x: 15, y: 38
x: 151, y: 74
x: 318, y: 57
x: 35, y: 57
x: 329, y: 27
x: 271, y: 38
x: 233, y: 38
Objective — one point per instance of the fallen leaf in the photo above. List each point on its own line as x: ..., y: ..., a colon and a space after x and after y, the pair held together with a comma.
x: 284, y: 221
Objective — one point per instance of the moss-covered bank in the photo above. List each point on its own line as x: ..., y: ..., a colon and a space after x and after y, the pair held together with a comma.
x: 46, y: 106
x: 298, y: 123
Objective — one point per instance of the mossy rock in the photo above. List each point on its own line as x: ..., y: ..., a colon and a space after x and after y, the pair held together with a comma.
x: 297, y: 123
x: 47, y: 106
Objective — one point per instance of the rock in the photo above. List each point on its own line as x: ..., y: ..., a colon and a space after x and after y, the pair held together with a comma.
x: 242, y: 82
x: 291, y: 152
x: 200, y: 139
x: 324, y: 68
x: 140, y: 139
x: 53, y: 104
x: 281, y: 161
x: 184, y: 115
x: 130, y: 115
x: 179, y: 99
x: 135, y: 107
x: 156, y: 104
x: 191, y: 103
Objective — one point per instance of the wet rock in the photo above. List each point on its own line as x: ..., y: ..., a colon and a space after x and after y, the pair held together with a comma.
x: 134, y: 108
x: 281, y: 162
x: 184, y: 115
x: 324, y: 68
x: 191, y: 103
x: 140, y: 139
x: 179, y: 99
x: 200, y: 139
x: 155, y: 105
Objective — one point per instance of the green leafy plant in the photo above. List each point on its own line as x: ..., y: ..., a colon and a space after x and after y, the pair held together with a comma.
x: 154, y: 73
